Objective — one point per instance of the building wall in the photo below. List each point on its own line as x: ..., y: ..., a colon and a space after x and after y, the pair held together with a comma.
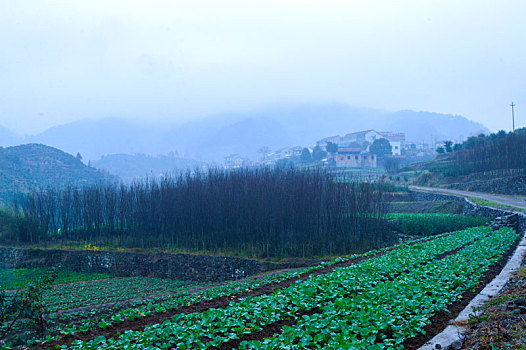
x: 355, y: 160
x: 396, y: 148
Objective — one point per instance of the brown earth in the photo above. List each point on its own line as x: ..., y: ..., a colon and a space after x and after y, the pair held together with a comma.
x: 502, y: 323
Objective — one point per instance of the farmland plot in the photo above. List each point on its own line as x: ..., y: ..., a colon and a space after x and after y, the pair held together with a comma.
x: 374, y: 304
x: 84, y: 323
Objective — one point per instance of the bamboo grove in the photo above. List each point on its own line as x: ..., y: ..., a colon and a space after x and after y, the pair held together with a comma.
x: 262, y: 213
x: 498, y: 151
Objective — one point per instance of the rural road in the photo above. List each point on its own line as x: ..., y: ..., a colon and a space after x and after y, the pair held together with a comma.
x: 515, y: 201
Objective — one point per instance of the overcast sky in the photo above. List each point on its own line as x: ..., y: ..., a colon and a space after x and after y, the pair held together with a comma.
x: 177, y: 60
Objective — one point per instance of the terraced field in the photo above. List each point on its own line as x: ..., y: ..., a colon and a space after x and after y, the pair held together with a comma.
x: 382, y: 299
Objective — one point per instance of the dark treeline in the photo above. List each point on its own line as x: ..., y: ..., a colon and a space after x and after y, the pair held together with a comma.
x: 263, y: 212
x: 497, y: 151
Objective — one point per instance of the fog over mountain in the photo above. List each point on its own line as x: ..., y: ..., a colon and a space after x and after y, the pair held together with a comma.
x: 213, y: 138
x: 8, y: 138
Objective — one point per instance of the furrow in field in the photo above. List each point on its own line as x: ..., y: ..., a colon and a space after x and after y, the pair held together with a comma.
x: 277, y: 327
x: 392, y: 311
x: 196, y: 327
x: 140, y: 323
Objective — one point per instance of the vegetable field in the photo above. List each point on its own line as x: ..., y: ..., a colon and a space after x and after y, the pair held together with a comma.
x: 20, y: 278
x: 433, y: 223
x: 377, y: 300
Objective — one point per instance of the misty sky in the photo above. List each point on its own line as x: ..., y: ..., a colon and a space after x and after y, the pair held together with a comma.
x: 177, y: 60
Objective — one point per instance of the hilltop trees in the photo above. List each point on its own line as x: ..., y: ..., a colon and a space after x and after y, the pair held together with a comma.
x: 499, y: 151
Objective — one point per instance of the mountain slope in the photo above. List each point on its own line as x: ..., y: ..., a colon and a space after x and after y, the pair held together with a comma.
x: 35, y: 166
x: 213, y: 138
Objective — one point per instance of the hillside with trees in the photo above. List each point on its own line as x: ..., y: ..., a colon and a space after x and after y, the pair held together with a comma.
x: 35, y: 166
x: 486, y: 163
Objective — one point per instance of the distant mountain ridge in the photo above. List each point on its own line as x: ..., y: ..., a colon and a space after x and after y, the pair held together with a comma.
x: 35, y: 166
x: 213, y: 138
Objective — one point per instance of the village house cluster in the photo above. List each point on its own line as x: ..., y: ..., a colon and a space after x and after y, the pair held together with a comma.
x: 353, y: 151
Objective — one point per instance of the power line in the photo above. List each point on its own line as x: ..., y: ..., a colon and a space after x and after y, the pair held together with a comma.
x: 513, y: 114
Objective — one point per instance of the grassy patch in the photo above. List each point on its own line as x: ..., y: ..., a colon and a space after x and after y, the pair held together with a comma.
x: 433, y: 223
x: 20, y: 278
x: 444, y: 207
x: 486, y: 203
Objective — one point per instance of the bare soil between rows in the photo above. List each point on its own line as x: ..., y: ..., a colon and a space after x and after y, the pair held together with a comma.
x: 276, y: 327
x: 220, y: 302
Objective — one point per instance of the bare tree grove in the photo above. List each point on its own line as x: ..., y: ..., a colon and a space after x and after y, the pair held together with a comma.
x: 262, y: 212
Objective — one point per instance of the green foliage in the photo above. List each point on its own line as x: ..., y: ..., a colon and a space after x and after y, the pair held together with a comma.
x: 75, y: 295
x: 448, y: 146
x: 426, y: 178
x: 381, y: 147
x: 393, y: 296
x: 441, y: 150
x: 15, y: 228
x: 27, y: 305
x: 332, y: 147
x: 391, y: 164
x: 318, y: 154
x: 433, y: 223
x: 284, y: 163
x: 34, y: 166
x: 390, y: 187
x: 20, y: 278
x: 306, y: 156
x: 451, y: 207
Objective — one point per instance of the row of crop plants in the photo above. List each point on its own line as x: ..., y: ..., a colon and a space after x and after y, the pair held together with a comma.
x: 393, y: 311
x: 70, y: 323
x: 368, y: 283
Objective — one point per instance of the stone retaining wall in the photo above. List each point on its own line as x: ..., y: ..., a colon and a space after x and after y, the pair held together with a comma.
x: 201, y: 268
x: 508, y: 185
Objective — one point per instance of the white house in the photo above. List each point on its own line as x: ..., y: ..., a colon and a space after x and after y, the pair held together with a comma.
x: 235, y: 161
x: 395, y: 139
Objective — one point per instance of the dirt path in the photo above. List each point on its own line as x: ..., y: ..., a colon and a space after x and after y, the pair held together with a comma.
x: 514, y: 201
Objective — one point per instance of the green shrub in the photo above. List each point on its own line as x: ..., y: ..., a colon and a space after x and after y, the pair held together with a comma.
x: 434, y: 223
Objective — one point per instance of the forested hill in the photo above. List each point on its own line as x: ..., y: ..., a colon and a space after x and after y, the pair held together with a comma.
x: 34, y: 166
x: 493, y: 163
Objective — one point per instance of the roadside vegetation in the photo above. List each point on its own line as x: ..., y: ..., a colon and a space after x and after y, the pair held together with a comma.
x: 486, y: 203
x: 493, y: 163
x: 500, y: 323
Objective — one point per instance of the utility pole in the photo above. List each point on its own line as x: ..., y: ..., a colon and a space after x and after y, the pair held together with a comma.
x: 513, y: 114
